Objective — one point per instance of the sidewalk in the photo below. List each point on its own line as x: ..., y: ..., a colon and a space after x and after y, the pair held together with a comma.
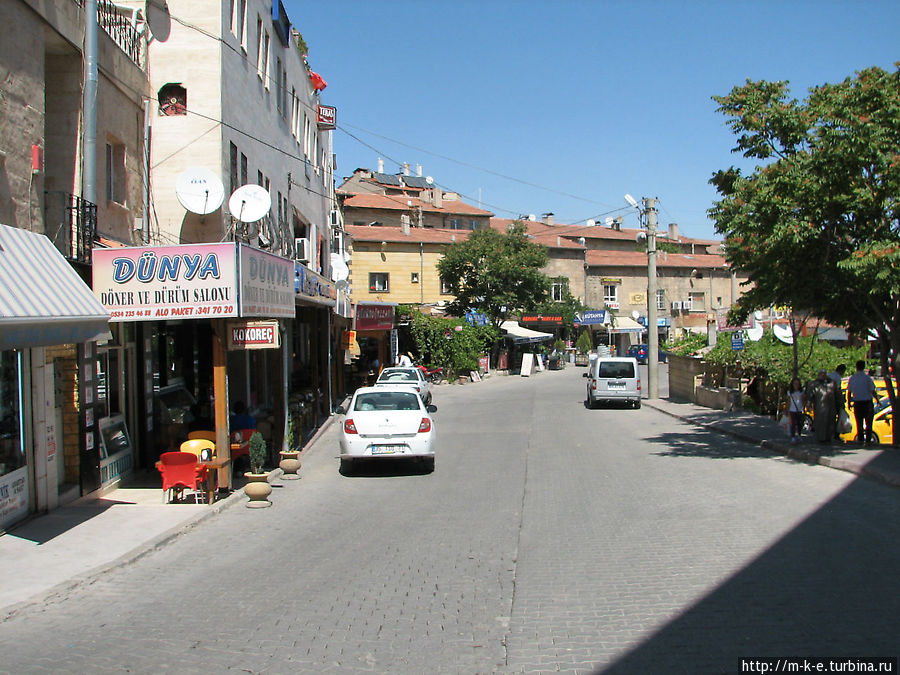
x: 880, y: 463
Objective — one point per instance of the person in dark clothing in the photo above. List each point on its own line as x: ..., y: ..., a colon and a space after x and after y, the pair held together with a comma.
x: 240, y: 418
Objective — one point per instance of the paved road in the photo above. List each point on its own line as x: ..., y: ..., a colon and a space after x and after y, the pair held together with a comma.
x: 550, y: 538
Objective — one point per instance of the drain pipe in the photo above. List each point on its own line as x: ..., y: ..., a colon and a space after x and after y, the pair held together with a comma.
x: 89, y: 155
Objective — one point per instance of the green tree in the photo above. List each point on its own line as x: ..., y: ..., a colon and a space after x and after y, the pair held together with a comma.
x: 815, y: 224
x: 450, y: 343
x: 495, y: 273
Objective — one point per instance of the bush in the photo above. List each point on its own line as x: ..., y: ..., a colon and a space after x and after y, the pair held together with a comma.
x: 583, y: 343
x: 450, y: 343
x: 258, y: 452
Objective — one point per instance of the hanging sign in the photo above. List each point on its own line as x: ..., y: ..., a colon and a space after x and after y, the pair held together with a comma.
x: 541, y: 319
x: 374, y: 317
x: 252, y: 335
x: 326, y: 117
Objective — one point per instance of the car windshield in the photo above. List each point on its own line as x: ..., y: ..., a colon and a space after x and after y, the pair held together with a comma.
x: 616, y: 369
x: 393, y: 400
x: 882, y: 404
x: 397, y: 376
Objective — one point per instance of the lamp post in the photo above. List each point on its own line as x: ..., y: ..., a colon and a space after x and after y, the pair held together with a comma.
x: 648, y: 220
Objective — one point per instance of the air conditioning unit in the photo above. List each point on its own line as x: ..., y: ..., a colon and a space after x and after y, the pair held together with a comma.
x: 301, y: 249
x: 686, y: 305
x: 676, y: 306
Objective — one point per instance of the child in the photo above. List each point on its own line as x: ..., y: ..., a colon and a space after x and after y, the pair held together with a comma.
x: 796, y: 403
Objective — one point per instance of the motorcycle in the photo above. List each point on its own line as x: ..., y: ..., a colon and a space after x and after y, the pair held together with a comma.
x: 433, y: 375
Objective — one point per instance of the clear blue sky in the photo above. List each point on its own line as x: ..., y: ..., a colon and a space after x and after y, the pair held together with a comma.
x: 564, y: 107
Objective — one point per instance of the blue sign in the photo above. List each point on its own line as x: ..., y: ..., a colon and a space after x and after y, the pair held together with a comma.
x: 591, y: 317
x: 475, y: 319
x: 737, y: 341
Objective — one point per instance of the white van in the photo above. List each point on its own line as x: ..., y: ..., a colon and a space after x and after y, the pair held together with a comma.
x: 614, y: 379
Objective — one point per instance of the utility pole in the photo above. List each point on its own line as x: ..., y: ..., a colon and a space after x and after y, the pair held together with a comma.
x: 652, y: 330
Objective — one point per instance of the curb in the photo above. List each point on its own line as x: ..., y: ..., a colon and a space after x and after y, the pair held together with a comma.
x: 793, y: 452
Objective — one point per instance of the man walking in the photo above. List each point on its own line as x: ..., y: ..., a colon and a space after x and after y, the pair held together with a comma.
x: 837, y: 376
x: 863, y: 394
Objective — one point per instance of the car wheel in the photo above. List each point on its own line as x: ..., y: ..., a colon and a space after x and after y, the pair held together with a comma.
x: 346, y: 466
x: 875, y: 439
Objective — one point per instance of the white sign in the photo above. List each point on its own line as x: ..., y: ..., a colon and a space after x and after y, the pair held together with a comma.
x: 267, y: 284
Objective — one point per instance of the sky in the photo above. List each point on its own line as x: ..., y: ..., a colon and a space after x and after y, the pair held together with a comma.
x: 563, y: 107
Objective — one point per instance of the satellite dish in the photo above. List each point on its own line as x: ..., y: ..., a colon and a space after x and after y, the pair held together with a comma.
x: 343, y: 285
x: 199, y: 190
x: 156, y: 13
x: 755, y: 334
x: 339, y: 270
x: 758, y: 315
x: 609, y: 221
x: 429, y: 180
x: 635, y: 315
x: 249, y: 203
x: 783, y: 333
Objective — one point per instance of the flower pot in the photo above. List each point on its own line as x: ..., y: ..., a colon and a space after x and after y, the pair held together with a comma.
x: 258, y: 490
x: 463, y: 379
x: 290, y: 464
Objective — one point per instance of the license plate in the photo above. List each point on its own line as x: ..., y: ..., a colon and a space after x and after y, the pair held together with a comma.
x: 616, y: 385
x: 386, y: 449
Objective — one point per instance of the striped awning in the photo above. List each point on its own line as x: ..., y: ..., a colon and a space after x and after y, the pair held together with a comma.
x: 43, y: 301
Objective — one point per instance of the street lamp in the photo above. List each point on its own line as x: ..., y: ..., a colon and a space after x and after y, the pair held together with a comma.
x: 648, y: 220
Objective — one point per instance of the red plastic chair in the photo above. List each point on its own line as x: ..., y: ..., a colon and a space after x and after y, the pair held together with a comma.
x: 180, y: 472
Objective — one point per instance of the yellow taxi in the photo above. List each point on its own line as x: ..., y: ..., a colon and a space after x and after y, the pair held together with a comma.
x: 882, y: 424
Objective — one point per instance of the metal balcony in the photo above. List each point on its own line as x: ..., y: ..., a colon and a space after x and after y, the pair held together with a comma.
x: 70, y: 222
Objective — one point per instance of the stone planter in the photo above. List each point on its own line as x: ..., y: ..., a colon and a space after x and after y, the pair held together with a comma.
x: 258, y: 490
x: 290, y: 464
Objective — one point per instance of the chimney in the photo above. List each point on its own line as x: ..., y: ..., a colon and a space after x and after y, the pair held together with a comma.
x: 404, y: 223
x: 419, y: 170
x: 437, y: 197
x: 547, y: 218
x: 406, y: 168
x: 380, y: 165
x: 673, y: 231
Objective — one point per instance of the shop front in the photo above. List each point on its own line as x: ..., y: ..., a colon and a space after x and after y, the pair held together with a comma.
x: 376, y: 336
x: 208, y: 322
x: 49, y: 322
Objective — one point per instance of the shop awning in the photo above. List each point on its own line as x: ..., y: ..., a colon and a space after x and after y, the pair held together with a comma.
x: 625, y: 324
x: 521, y: 335
x: 43, y: 301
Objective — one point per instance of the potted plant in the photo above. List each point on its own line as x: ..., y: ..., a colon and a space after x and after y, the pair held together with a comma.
x: 257, y: 487
x: 290, y: 462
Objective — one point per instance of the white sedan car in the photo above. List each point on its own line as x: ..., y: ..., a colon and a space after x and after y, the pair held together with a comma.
x: 409, y: 376
x: 387, y: 421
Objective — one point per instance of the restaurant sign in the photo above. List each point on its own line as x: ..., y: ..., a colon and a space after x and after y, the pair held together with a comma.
x: 252, y: 335
x: 591, y: 317
x: 541, y: 320
x: 267, y: 284
x: 374, y: 317
x: 166, y: 282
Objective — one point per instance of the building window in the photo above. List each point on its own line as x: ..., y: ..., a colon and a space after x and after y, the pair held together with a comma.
x: 239, y: 21
x: 473, y: 224
x: 115, y: 173
x: 264, y: 60
x: 611, y: 294
x: 558, y: 289
x: 243, y: 169
x: 12, y: 446
x: 233, y: 168
x: 379, y: 282
x: 660, y: 298
x: 697, y: 301
x: 414, y: 278
x: 455, y: 224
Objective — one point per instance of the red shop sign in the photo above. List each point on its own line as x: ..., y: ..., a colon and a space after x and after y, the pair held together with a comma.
x: 374, y: 317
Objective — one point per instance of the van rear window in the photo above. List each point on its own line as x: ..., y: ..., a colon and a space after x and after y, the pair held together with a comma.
x: 616, y: 369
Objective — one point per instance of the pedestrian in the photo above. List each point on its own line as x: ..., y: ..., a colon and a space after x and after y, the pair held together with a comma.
x: 821, y: 394
x: 862, y: 392
x: 404, y: 361
x: 837, y: 376
x: 796, y: 404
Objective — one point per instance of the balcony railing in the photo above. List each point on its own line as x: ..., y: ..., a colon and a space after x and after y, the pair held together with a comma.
x: 71, y: 224
x: 120, y: 29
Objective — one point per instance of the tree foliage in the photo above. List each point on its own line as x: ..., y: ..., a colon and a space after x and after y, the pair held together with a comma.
x: 815, y: 225
x: 450, y: 343
x: 495, y: 273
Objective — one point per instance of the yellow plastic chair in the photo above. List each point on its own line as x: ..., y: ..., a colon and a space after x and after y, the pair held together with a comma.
x: 195, y: 446
x: 205, y: 435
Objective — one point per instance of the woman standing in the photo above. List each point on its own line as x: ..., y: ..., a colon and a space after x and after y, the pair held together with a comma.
x: 796, y: 404
x: 821, y: 394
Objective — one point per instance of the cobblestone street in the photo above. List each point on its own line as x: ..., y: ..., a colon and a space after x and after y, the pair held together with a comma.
x: 550, y: 538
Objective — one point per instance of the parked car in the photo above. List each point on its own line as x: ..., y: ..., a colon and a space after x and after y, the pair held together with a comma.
x: 638, y: 352
x: 408, y: 376
x: 641, y: 352
x: 387, y: 421
x: 614, y: 379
